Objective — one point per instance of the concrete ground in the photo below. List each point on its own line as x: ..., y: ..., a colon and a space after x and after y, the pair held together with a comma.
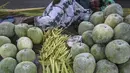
x: 43, y: 3
x: 13, y: 4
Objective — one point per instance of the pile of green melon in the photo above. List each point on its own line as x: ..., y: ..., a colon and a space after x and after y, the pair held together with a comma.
x: 105, y: 43
x: 18, y: 57
x: 102, y: 45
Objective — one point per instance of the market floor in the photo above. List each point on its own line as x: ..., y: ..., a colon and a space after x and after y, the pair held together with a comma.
x: 13, y: 4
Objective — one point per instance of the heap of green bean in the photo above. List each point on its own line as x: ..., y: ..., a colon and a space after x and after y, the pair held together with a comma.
x: 55, y: 56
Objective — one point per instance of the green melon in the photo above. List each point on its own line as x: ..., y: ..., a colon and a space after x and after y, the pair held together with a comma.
x: 8, y: 50
x: 122, y: 31
x: 1, y: 71
x: 84, y: 63
x: 118, y: 51
x: 84, y: 26
x: 26, y: 55
x: 78, y: 48
x: 35, y: 34
x: 113, y: 8
x: 21, y: 29
x: 4, y: 40
x: 7, y: 65
x: 98, y: 51
x: 97, y: 18
x: 87, y: 38
x: 24, y: 43
x: 127, y: 19
x: 102, y: 33
x: 26, y: 67
x: 125, y: 67
x: 113, y: 20
x: 7, y: 29
x: 105, y: 66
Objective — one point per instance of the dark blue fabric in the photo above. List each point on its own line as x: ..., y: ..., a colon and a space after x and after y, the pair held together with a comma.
x: 84, y: 3
x: 8, y: 18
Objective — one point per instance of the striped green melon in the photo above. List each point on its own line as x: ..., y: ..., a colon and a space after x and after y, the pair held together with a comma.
x: 7, y: 65
x: 98, y: 51
x: 24, y: 43
x: 105, y: 66
x: 26, y: 55
x: 78, y: 48
x: 84, y: 63
x: 35, y: 34
x: 113, y: 20
x: 125, y: 67
x: 26, y: 67
x: 7, y: 29
x: 102, y: 33
x: 4, y: 40
x: 118, y: 51
x: 122, y: 31
x: 84, y: 26
x: 87, y: 38
x: 21, y: 29
x: 113, y: 8
x: 8, y: 50
x: 97, y: 18
x: 127, y: 19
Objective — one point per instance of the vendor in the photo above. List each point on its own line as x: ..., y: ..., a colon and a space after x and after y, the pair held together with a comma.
x: 95, y: 5
x: 64, y: 12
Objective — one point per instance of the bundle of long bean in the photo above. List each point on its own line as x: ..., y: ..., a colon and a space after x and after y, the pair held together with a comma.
x: 54, y: 56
